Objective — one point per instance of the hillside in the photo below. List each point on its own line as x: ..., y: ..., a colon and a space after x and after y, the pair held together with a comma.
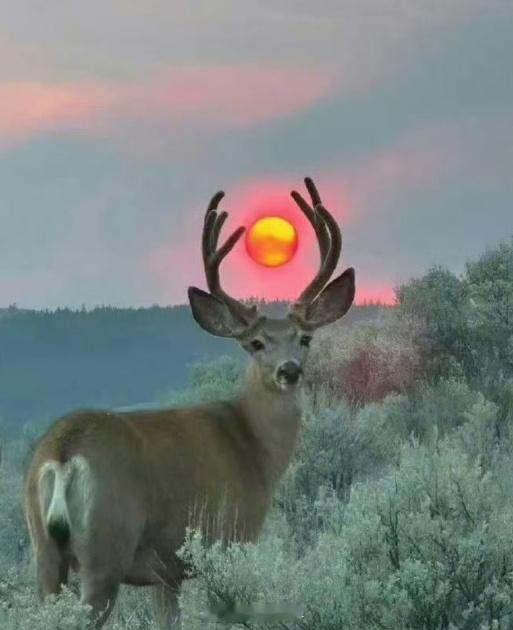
x: 53, y: 362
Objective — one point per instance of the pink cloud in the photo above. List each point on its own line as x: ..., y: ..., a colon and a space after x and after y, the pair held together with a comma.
x: 229, y: 96
x: 30, y: 108
x: 201, y: 99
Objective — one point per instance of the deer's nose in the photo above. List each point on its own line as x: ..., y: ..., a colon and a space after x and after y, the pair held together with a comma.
x: 290, y: 371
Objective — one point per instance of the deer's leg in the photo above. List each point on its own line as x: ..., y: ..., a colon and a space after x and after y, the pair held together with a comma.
x: 51, y: 568
x: 104, y: 559
x: 99, y: 592
x: 106, y: 548
x: 51, y: 563
x: 102, y: 568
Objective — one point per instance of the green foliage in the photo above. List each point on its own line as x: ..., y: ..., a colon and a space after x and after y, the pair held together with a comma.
x: 490, y: 287
x: 434, y: 410
x: 439, y: 300
x: 14, y: 541
x: 489, y: 283
x: 428, y: 546
x: 20, y: 608
x: 208, y: 382
x: 339, y: 445
x: 237, y: 578
x: 468, y: 321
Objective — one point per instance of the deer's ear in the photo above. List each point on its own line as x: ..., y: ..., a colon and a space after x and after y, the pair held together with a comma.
x: 333, y: 301
x: 213, y: 315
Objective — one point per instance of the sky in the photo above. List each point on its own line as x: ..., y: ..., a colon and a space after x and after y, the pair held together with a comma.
x: 119, y: 120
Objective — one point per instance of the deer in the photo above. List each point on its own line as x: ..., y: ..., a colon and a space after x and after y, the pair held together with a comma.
x: 109, y: 495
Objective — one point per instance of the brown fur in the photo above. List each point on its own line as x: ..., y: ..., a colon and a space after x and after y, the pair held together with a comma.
x: 155, y: 473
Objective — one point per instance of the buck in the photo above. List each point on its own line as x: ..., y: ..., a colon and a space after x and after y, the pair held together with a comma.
x: 110, y: 494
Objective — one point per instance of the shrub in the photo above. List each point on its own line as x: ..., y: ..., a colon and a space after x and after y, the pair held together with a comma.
x: 210, y: 381
x: 440, y: 302
x: 14, y: 541
x: 429, y: 546
x: 339, y: 445
x: 239, y: 581
x: 20, y: 608
x: 366, y: 365
x: 467, y: 321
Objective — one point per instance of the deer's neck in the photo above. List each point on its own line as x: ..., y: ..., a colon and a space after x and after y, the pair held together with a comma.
x: 274, y: 418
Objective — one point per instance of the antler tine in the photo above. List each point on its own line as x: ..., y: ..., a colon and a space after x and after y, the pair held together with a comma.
x: 317, y: 223
x: 333, y: 229
x: 213, y: 256
x: 329, y: 239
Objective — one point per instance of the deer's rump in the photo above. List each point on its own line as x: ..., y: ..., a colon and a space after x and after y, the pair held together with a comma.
x: 114, y: 486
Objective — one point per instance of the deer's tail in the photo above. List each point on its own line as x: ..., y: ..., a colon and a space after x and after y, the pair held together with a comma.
x: 58, y: 483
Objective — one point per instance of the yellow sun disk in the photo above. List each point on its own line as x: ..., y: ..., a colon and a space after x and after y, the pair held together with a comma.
x: 271, y: 241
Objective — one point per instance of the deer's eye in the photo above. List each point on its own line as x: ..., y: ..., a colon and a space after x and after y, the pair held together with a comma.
x: 257, y: 345
x: 305, y: 340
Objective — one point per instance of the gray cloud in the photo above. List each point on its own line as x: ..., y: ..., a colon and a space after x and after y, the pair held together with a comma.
x: 415, y: 136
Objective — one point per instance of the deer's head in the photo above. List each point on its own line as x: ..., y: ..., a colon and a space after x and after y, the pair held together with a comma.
x: 278, y: 346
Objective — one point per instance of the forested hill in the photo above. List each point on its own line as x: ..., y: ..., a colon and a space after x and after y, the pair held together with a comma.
x: 53, y: 362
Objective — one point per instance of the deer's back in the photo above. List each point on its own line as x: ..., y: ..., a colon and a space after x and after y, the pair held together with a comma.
x: 194, y: 466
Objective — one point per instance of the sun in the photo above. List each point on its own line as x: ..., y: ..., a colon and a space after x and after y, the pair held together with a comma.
x: 271, y: 241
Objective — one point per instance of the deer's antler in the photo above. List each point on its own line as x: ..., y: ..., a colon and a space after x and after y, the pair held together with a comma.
x: 213, y: 256
x: 330, y: 244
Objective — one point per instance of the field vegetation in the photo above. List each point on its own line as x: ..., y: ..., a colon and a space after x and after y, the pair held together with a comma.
x: 397, y: 512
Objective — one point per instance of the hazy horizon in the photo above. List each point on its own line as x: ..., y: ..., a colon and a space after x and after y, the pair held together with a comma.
x: 91, y: 307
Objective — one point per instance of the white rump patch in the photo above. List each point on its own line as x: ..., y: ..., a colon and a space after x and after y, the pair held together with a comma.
x: 66, y: 492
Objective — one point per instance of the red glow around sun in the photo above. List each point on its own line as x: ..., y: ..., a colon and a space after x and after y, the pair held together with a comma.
x: 271, y: 241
